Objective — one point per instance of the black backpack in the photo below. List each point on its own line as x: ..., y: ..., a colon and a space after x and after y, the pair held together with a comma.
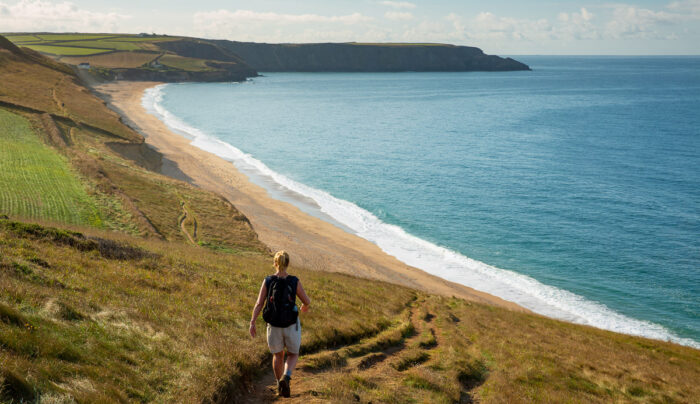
x: 280, y: 306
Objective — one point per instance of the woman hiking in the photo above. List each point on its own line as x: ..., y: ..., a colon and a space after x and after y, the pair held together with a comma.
x: 278, y: 295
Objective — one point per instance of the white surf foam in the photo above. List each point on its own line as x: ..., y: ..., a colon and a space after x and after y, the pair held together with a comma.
x: 419, y: 253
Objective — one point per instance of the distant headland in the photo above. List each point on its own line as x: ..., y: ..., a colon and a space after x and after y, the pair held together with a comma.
x: 368, y: 57
x: 145, y: 57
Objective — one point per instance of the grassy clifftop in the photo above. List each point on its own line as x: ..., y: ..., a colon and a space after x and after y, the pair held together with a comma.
x: 100, y: 317
x: 146, y: 295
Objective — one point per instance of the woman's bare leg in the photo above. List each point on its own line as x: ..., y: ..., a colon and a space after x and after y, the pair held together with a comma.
x: 278, y: 364
x: 291, y: 362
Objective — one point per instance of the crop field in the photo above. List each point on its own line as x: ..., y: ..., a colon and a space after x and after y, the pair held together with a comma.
x: 66, y: 50
x: 106, y: 44
x: 113, y: 60
x: 36, y: 182
x: 136, y: 38
x: 73, y: 37
x: 67, y: 45
x: 23, y: 38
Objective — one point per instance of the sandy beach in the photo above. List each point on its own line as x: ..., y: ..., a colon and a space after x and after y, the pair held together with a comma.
x: 311, y: 242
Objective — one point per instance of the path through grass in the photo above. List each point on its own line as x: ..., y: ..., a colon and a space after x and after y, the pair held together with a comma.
x: 35, y: 181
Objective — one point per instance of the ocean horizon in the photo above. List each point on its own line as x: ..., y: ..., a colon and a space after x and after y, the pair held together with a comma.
x: 572, y: 190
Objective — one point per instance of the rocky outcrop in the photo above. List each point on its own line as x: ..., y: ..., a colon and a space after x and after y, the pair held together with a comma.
x: 174, y: 76
x: 9, y: 46
x: 353, y: 57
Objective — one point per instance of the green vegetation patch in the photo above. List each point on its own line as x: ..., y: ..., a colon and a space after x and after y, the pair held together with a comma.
x: 137, y: 38
x: 66, y: 50
x: 184, y: 63
x: 36, y: 182
x: 23, y: 38
x: 104, y: 44
x: 72, y: 37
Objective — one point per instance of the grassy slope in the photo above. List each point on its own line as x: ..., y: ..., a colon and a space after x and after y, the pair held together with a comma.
x: 141, y: 320
x: 55, y: 91
x: 114, y: 60
x: 54, y: 192
x: 105, y: 316
x: 184, y: 63
x: 129, y: 198
x: 158, y: 325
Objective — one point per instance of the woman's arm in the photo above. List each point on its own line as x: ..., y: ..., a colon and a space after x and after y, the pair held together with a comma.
x: 305, y: 301
x: 258, y: 306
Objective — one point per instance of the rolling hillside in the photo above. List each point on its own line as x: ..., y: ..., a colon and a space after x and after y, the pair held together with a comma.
x: 139, y: 57
x: 151, y: 303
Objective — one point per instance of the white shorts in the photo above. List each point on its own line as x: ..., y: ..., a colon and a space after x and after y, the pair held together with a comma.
x: 289, y: 337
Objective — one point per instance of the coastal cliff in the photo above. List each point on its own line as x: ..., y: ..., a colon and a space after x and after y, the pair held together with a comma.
x: 177, y: 59
x: 357, y: 57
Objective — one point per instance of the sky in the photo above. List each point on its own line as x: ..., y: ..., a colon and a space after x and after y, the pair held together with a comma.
x: 504, y: 27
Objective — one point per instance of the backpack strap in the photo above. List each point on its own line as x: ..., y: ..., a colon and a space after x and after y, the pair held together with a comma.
x: 268, y: 282
x: 293, y: 280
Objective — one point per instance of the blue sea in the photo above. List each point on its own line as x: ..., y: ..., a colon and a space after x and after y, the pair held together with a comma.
x: 572, y: 190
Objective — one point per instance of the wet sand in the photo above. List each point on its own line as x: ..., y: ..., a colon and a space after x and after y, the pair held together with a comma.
x: 311, y: 242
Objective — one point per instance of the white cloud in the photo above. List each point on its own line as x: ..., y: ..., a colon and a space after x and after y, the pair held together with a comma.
x: 249, y: 25
x: 38, y: 15
x: 398, y: 15
x: 633, y: 22
x: 576, y: 25
x: 488, y: 26
x: 689, y: 8
x: 398, y: 4
x: 243, y: 16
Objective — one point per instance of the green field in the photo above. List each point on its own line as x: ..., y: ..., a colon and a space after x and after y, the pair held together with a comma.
x: 105, y: 43
x: 35, y: 181
x: 136, y: 38
x: 23, y: 38
x: 87, y: 44
x: 66, y: 50
x: 183, y: 63
x: 72, y: 37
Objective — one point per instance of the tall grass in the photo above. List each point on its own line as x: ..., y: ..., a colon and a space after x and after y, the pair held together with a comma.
x: 142, y: 320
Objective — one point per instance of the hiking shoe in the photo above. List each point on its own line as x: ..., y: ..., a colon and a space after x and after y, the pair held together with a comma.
x: 284, y: 386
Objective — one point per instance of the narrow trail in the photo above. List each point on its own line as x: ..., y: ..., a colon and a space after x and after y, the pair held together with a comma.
x: 398, y: 348
x: 59, y: 104
x: 183, y: 219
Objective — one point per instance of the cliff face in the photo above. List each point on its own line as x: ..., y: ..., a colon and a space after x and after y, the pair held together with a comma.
x: 352, y: 57
x: 176, y: 76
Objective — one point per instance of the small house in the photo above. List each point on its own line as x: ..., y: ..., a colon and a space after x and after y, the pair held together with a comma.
x: 84, y: 65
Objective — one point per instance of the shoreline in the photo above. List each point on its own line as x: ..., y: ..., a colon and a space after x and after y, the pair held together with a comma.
x: 312, y: 242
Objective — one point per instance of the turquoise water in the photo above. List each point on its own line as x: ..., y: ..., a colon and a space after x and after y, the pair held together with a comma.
x: 573, y: 189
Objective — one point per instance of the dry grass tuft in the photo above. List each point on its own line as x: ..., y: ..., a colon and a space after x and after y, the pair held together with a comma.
x: 14, y: 388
